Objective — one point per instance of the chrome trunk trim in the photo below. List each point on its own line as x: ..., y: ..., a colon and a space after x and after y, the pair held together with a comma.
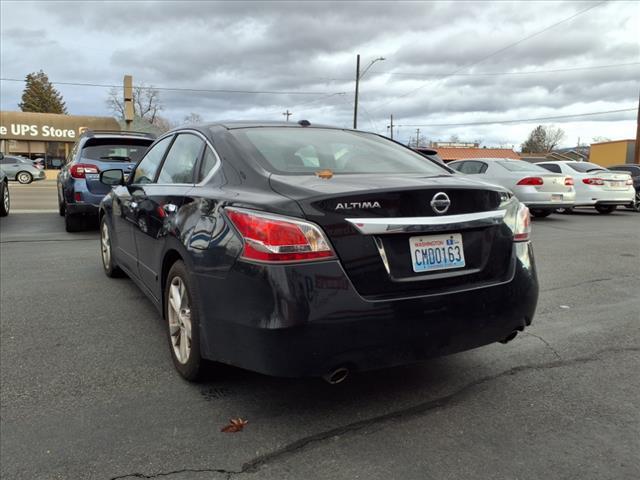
x: 380, y: 226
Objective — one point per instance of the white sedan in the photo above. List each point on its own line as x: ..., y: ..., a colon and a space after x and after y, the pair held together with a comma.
x: 595, y: 185
x: 541, y: 191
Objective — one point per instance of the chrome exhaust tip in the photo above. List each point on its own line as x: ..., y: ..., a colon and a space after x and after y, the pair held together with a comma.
x: 336, y: 376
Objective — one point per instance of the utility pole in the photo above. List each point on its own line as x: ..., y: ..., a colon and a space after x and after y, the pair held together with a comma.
x: 391, y: 126
x: 287, y: 114
x: 128, y: 100
x: 417, y: 137
x: 355, y: 105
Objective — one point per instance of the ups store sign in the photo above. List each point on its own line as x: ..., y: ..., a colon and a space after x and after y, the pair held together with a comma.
x: 50, y: 127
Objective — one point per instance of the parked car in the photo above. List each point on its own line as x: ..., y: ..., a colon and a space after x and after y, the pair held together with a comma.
x: 5, y: 203
x: 20, y: 169
x: 78, y: 182
x: 430, y: 153
x: 38, y: 163
x: 534, y: 186
x: 595, y: 185
x: 634, y: 171
x: 296, y: 250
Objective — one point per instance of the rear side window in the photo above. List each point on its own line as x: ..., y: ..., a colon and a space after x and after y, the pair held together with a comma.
x: 179, y: 166
x: 293, y: 150
x: 208, y: 162
x: 148, y: 167
x: 115, y: 149
x: 552, y: 167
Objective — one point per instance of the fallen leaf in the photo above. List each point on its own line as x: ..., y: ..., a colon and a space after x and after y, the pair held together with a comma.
x: 326, y: 173
x: 235, y: 425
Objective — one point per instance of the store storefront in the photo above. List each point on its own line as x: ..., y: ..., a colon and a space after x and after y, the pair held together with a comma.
x: 48, y: 136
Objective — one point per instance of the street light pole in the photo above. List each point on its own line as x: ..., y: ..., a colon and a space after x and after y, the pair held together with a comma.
x: 358, y: 77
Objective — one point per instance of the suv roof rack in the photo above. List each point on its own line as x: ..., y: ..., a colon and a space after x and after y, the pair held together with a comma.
x: 90, y: 133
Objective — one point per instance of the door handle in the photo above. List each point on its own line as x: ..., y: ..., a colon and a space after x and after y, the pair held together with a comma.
x: 170, y: 208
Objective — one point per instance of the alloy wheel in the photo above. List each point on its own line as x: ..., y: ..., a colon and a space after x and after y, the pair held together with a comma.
x: 6, y: 200
x: 105, y: 241
x: 24, y: 178
x: 179, y: 317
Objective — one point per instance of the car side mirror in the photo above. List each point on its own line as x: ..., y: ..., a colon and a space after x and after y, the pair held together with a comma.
x: 112, y: 177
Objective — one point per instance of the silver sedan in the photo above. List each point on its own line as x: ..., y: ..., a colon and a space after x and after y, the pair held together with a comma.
x: 21, y: 169
x: 536, y: 187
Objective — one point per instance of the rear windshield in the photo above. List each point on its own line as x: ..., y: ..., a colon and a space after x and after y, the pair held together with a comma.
x: 307, y: 150
x: 115, y: 149
x: 584, y: 167
x: 521, y: 166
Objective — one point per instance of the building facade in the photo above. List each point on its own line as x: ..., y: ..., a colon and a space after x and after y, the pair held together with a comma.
x: 449, y: 154
x: 48, y: 136
x: 617, y: 152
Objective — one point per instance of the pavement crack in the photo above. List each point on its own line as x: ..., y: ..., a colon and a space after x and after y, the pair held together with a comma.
x: 298, y: 445
x: 227, y: 473
x: 555, y: 352
x: 403, y: 414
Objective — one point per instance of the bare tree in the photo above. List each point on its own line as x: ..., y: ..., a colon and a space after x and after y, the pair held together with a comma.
x: 543, y: 139
x: 192, y: 119
x: 146, y: 102
x: 163, y: 124
x: 454, y: 139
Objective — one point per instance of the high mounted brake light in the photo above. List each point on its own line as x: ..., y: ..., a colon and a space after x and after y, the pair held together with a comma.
x: 275, y: 238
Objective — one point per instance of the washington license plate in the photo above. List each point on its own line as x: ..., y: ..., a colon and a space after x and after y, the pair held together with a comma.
x: 436, y: 252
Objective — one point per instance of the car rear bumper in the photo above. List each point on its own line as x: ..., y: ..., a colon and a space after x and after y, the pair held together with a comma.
x: 304, y: 320
x: 549, y: 205
x: 606, y: 197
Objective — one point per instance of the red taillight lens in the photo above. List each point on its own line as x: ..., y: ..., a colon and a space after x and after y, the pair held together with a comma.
x: 77, y: 197
x: 272, y: 238
x: 531, y: 181
x: 568, y: 181
x: 80, y: 169
x: 593, y: 181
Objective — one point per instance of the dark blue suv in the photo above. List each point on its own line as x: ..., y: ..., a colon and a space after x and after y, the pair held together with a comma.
x: 79, y: 187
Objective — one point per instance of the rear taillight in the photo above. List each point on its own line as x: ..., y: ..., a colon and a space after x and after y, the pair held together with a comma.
x: 593, y: 181
x: 629, y: 181
x: 273, y: 238
x: 531, y: 181
x: 80, y: 169
x: 568, y: 181
x: 521, y: 224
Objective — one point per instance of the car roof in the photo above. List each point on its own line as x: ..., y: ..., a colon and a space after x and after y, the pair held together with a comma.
x: 236, y: 124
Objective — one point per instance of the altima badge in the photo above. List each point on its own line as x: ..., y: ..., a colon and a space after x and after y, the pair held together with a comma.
x: 440, y: 203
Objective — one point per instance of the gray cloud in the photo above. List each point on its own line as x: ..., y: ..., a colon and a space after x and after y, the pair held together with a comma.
x: 311, y: 46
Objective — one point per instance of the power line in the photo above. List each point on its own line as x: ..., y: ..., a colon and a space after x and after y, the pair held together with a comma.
x: 520, y: 120
x: 503, y: 49
x: 530, y: 72
x: 179, y: 89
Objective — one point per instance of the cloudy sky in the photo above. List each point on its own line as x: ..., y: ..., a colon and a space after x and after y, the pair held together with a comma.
x: 450, y: 67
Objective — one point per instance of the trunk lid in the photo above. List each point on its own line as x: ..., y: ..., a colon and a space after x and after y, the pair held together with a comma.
x: 380, y: 265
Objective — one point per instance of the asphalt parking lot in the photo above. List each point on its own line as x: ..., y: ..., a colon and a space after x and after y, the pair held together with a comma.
x: 88, y: 390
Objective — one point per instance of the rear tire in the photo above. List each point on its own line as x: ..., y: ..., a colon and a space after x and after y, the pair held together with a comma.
x: 540, y: 213
x: 183, y: 325
x: 73, y: 223
x: 5, y: 199
x: 24, y: 177
x: 61, y: 208
x: 109, y: 264
x: 605, y: 209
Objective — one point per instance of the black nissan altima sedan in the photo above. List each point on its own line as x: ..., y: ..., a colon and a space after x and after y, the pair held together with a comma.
x: 304, y: 250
